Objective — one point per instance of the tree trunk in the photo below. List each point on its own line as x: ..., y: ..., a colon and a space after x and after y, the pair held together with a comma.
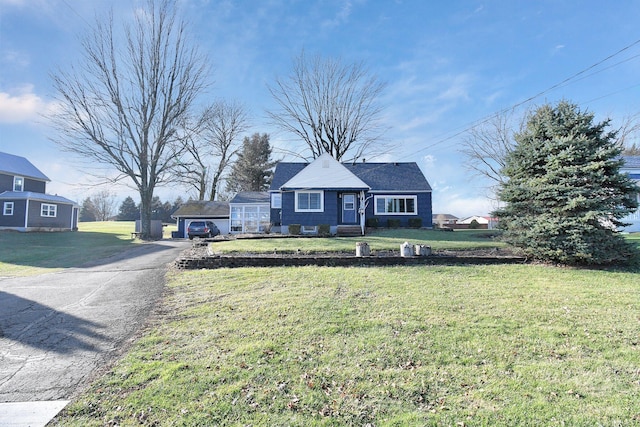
x: 146, y: 197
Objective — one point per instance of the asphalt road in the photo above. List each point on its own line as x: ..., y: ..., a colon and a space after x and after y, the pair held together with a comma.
x: 57, y: 330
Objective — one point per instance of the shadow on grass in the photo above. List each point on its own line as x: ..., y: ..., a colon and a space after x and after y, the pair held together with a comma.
x: 45, y: 328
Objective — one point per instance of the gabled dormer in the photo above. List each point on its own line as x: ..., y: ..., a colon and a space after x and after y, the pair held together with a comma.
x: 20, y: 175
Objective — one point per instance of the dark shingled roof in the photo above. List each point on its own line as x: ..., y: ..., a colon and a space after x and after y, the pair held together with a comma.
x: 378, y: 176
x: 16, y: 165
x: 202, y: 209
x: 251, y: 197
x: 284, y: 172
x: 390, y: 176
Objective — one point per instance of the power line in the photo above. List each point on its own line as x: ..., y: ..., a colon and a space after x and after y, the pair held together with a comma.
x: 574, y: 77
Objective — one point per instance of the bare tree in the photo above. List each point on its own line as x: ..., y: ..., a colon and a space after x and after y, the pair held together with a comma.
x: 487, y: 145
x: 104, y: 204
x: 209, y: 145
x: 120, y: 108
x: 333, y: 107
x: 628, y: 135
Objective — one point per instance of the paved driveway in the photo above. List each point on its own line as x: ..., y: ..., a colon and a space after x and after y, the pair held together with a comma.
x: 58, y: 329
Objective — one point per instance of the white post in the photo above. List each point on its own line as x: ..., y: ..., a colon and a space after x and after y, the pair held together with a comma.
x: 361, y: 211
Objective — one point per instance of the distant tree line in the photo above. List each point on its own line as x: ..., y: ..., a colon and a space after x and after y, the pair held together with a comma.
x: 101, y: 207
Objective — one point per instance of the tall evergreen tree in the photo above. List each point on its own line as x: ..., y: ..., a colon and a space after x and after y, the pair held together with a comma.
x: 565, y: 194
x: 252, y: 170
x: 87, y: 211
x: 128, y: 210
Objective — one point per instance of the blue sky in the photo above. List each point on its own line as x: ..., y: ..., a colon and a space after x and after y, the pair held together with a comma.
x: 447, y: 65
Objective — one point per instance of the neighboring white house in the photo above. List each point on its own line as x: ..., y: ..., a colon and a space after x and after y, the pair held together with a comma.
x: 491, y: 223
x: 632, y: 167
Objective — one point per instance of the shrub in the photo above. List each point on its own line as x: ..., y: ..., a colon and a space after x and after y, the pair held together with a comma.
x: 415, y: 222
x: 372, y: 222
x: 474, y: 225
x: 393, y: 223
x: 294, y: 229
x: 324, y: 230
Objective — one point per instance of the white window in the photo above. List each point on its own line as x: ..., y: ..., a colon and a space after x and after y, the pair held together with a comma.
x: 8, y: 208
x: 276, y: 200
x: 309, y: 201
x: 250, y: 219
x: 18, y: 183
x: 48, y: 210
x: 396, y: 205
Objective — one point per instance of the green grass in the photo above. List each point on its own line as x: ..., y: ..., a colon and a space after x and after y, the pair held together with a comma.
x: 475, y: 345
x: 40, y: 252
x: 382, y: 239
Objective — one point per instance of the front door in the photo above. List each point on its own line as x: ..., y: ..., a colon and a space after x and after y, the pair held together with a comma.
x: 349, y: 208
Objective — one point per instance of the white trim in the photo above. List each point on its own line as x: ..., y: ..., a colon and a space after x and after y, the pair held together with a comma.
x: 276, y: 200
x: 21, y: 178
x: 325, y: 172
x: 320, y: 192
x: 50, y: 209
x: 395, y: 196
x: 8, y: 208
x: 242, y: 219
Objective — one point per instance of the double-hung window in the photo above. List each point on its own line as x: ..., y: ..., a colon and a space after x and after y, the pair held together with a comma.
x: 8, y: 208
x: 276, y: 200
x: 18, y: 183
x: 396, y: 205
x: 309, y: 201
x: 48, y: 210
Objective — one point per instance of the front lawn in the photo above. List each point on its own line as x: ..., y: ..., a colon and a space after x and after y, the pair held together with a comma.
x: 42, y: 252
x: 462, y: 345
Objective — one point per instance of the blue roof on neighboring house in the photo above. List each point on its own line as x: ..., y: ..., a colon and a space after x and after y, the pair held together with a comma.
x: 30, y: 195
x: 631, y: 161
x: 378, y: 176
x: 16, y: 165
x: 251, y: 197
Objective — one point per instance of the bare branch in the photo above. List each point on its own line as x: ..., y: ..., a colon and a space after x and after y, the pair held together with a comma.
x: 487, y: 145
x: 122, y: 105
x: 210, y: 143
x: 331, y: 106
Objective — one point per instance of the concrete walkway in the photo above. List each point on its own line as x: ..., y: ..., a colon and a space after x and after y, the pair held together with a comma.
x: 58, y: 330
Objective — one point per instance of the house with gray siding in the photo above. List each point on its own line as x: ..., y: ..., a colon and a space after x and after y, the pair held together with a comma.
x: 349, y: 195
x: 24, y: 202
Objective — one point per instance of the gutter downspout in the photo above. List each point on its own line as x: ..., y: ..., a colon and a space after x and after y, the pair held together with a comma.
x: 26, y: 215
x: 361, y: 211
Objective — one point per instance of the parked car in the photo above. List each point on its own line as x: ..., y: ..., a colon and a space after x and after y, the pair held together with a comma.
x: 202, y: 229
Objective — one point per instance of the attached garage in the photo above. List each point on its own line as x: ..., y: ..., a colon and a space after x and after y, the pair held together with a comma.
x: 200, y: 210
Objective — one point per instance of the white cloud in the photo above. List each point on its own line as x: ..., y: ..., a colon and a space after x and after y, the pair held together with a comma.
x: 340, y: 18
x: 21, y: 105
x: 461, y: 206
x: 16, y: 58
